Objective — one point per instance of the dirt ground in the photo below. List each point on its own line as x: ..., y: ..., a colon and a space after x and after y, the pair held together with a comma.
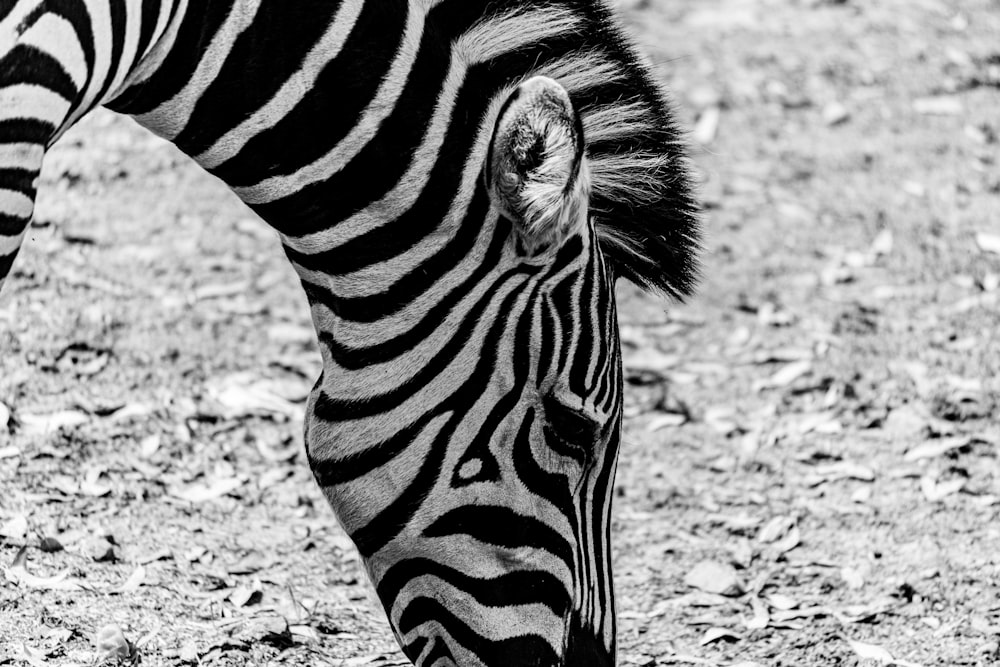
x: 811, y: 473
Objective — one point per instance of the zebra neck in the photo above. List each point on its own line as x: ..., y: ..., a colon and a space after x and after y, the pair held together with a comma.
x: 360, y: 141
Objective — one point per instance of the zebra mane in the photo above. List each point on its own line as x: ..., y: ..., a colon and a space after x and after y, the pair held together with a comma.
x: 642, y: 198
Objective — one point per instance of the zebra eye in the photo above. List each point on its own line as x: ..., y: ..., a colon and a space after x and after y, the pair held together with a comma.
x: 569, y: 431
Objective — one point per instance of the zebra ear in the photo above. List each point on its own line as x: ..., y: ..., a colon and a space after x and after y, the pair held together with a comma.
x: 536, y: 170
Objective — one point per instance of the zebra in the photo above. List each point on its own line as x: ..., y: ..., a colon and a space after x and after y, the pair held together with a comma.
x: 458, y: 185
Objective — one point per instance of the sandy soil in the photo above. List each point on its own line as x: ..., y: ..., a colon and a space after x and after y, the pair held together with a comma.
x: 811, y: 474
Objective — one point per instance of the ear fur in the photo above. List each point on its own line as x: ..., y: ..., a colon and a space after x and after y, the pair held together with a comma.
x: 536, y: 170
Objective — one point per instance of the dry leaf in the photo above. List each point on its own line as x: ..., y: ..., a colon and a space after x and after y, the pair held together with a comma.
x: 782, y: 602
x: 841, y: 470
x: 707, y: 126
x: 90, y: 485
x: 775, y: 529
x: 241, y: 395
x: 821, y: 422
x: 199, y: 493
x: 18, y: 574
x: 935, y: 448
x: 304, y: 633
x: 988, y: 242
x: 665, y: 420
x: 52, y: 422
x: 82, y: 359
x: 791, y: 540
x: 942, y: 105
x: 761, y: 617
x: 277, y: 454
x: 715, y: 577
x: 149, y: 445
x: 784, y: 377
x: 220, y: 290
x: 134, y: 581
x: 861, y: 495
x: 935, y: 491
x: 32, y: 656
x: 866, y: 612
x: 793, y: 614
x: 783, y: 355
x: 877, y: 653
x: 713, y: 635
x: 131, y: 411
x: 243, y: 596
x: 852, y: 577
x: 835, y: 113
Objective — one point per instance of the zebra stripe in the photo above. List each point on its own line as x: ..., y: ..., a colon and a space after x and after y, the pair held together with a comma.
x: 458, y: 184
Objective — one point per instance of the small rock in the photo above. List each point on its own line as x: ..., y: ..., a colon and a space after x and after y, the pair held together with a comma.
x: 707, y: 126
x: 114, y: 647
x: 100, y: 550
x: 882, y: 245
x: 189, y: 652
x: 852, y: 577
x: 715, y: 577
x: 713, y: 635
x: 989, y: 243
x: 835, y: 113
x: 15, y: 529
x: 50, y: 545
x: 269, y: 629
x: 906, y: 422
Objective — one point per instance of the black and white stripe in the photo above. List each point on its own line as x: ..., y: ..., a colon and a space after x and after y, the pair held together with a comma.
x: 466, y: 425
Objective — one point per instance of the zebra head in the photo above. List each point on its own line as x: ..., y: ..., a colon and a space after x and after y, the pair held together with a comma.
x: 564, y: 449
x: 481, y: 508
x: 507, y: 560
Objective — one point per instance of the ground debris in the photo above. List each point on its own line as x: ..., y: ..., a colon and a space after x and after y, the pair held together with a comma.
x: 714, y: 577
x: 18, y: 574
x: 877, y: 653
x: 114, y: 648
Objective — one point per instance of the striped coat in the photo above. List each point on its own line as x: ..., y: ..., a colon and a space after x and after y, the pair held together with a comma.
x: 457, y: 231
